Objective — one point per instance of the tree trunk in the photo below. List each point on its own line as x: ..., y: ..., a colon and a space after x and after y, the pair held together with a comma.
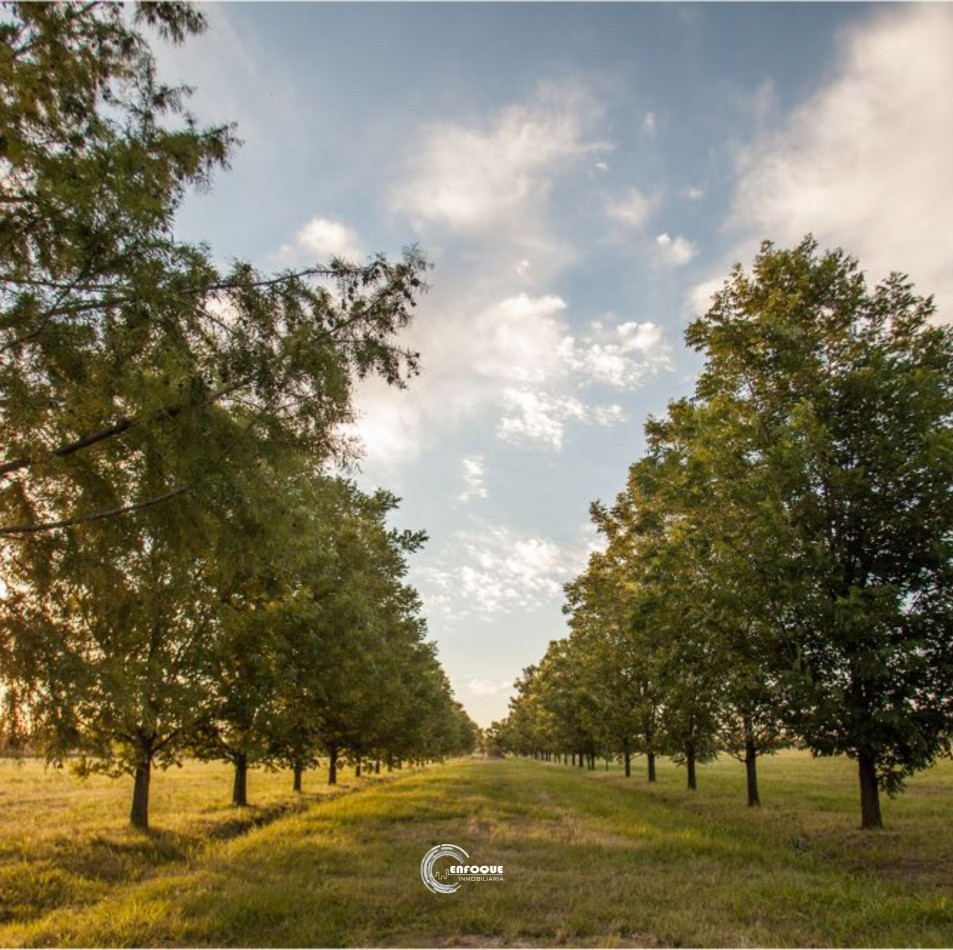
x: 751, y: 771
x: 240, y: 788
x: 377, y: 766
x: 869, y: 792
x: 139, y: 816
x: 606, y: 769
x: 297, y: 774
x: 580, y: 760
x: 628, y: 764
x: 651, y: 757
x: 357, y: 768
x: 690, y: 766
x: 332, y: 765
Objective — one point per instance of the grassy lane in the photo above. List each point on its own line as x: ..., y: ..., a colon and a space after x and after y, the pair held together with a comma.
x: 589, y: 858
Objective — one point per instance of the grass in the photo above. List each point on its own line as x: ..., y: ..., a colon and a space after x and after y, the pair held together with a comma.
x: 66, y: 841
x: 590, y: 858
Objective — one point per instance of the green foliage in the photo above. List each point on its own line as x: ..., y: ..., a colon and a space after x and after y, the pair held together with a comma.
x: 779, y: 564
x: 181, y: 570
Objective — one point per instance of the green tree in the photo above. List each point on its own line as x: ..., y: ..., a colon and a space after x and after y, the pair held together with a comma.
x: 143, y: 391
x: 845, y: 399
x: 117, y: 342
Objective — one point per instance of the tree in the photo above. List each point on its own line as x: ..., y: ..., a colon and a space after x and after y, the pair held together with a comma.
x: 144, y: 391
x: 116, y: 339
x: 845, y: 399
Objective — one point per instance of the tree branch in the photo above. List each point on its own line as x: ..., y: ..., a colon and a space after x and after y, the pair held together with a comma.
x: 117, y: 428
x: 94, y: 516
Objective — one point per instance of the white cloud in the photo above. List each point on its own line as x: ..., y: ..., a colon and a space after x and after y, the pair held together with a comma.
x: 649, y: 125
x: 677, y: 250
x: 473, y: 478
x: 622, y: 356
x: 632, y: 209
x: 319, y: 240
x: 518, y: 338
x: 515, y: 359
x: 388, y: 424
x: 481, y: 177
x: 500, y: 570
x: 537, y: 418
x: 601, y: 167
x: 484, y: 687
x: 609, y: 416
x: 865, y: 163
x: 699, y: 297
x: 693, y: 193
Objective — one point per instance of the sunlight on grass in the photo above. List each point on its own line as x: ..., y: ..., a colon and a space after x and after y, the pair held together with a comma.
x: 590, y: 859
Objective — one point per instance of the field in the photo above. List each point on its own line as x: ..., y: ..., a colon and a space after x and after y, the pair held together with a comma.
x: 590, y: 858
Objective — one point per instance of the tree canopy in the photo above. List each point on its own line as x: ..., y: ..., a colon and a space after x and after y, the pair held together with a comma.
x: 778, y: 567
x: 184, y: 567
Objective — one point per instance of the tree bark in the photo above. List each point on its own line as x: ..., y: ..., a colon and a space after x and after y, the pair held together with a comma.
x: 240, y: 787
x: 580, y: 760
x: 690, y: 766
x: 357, y: 768
x: 332, y: 765
x: 377, y: 766
x: 869, y: 792
x: 628, y: 763
x: 651, y: 759
x: 751, y: 772
x: 297, y: 774
x: 139, y: 815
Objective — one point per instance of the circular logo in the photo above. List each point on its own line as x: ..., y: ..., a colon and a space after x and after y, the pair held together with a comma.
x: 427, y: 872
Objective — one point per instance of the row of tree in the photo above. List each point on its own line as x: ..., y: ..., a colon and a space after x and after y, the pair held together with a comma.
x: 182, y: 571
x: 779, y: 567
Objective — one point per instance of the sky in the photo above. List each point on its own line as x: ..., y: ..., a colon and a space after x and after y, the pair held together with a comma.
x: 582, y: 177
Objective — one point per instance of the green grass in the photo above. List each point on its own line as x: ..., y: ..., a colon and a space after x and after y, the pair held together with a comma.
x: 66, y: 842
x: 589, y: 858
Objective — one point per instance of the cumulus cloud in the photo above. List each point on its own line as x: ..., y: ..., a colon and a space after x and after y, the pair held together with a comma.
x: 864, y: 163
x: 473, y: 478
x: 622, y: 356
x: 677, y: 250
x: 537, y: 418
x: 480, y: 177
x: 693, y: 193
x: 518, y: 338
x: 516, y: 358
x: 499, y: 570
x: 496, y: 343
x: 320, y: 239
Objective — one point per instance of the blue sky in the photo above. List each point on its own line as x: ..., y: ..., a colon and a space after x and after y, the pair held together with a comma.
x: 582, y: 177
